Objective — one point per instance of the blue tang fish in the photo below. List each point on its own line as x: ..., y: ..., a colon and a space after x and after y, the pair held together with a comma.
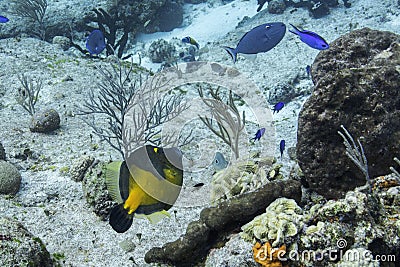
x: 190, y: 40
x: 259, y: 133
x: 282, y: 147
x: 278, y: 106
x: 3, y: 19
x: 219, y: 162
x: 310, y: 38
x: 95, y: 42
x: 260, y: 39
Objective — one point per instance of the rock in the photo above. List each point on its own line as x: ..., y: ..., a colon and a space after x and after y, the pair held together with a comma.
x: 356, y: 85
x: 95, y: 190
x: 10, y: 178
x: 45, y: 122
x: 79, y: 168
x: 218, y: 222
x: 319, y: 10
x: 63, y: 42
x: 161, y: 51
x: 2, y: 152
x: 19, y: 247
x: 170, y: 16
x: 276, y: 6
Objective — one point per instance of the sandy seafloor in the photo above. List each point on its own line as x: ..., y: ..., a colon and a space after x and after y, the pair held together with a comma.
x: 70, y: 227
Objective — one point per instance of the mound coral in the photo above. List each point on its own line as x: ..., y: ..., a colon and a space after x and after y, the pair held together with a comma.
x: 282, y: 219
x: 240, y: 177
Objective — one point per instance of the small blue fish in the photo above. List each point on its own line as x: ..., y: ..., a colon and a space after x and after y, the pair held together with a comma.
x: 310, y: 38
x: 259, y: 133
x: 260, y: 39
x: 95, y: 42
x: 282, y: 147
x: 190, y: 40
x: 308, y: 70
x: 278, y: 106
x: 219, y: 162
x: 3, y: 19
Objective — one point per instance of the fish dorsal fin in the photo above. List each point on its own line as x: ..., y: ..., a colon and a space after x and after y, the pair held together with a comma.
x: 154, y: 217
x: 112, y: 180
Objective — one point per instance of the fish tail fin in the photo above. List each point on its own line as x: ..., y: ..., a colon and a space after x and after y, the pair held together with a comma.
x: 295, y: 29
x: 231, y: 52
x: 120, y: 220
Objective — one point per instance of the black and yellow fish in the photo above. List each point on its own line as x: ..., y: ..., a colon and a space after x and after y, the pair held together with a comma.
x: 190, y: 40
x: 146, y: 185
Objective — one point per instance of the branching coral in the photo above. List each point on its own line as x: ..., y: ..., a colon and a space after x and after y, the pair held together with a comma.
x: 229, y: 122
x: 122, y: 90
x: 356, y: 153
x: 394, y: 171
x: 34, y: 10
x: 117, y: 89
x: 28, y: 95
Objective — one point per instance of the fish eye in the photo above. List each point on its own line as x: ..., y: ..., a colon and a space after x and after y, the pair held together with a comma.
x: 155, y: 150
x: 267, y: 27
x: 216, y: 161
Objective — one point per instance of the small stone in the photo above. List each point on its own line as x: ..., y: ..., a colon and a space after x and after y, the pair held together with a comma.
x: 319, y: 10
x: 63, y: 42
x: 2, y: 152
x: 10, y: 178
x: 276, y: 7
x: 45, y: 122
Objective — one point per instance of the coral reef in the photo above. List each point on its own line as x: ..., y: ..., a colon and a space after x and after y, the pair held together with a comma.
x: 217, y: 222
x: 317, y: 9
x: 19, y: 247
x: 10, y: 178
x: 240, y: 177
x: 162, y: 51
x: 357, y: 222
x: 282, y: 219
x: 357, y: 80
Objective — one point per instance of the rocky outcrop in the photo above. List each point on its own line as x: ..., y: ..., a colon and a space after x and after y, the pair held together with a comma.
x: 19, y: 247
x: 357, y: 85
x: 216, y: 223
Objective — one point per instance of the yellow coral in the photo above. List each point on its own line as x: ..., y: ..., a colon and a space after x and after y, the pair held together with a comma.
x: 268, y: 256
